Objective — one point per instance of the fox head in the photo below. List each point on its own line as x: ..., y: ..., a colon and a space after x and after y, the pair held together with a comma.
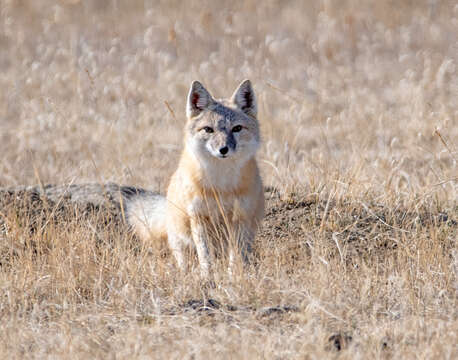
x: 222, y: 129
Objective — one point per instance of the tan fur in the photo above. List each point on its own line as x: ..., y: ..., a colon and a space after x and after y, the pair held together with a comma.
x: 217, y: 182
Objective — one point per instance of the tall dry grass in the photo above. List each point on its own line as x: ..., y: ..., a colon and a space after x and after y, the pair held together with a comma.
x: 358, y: 108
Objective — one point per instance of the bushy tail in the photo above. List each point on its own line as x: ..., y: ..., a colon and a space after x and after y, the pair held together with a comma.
x: 146, y: 214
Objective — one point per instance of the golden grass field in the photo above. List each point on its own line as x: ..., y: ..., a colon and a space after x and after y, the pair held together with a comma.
x: 357, y: 257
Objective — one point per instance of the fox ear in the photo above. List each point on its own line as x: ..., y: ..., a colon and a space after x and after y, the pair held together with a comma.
x: 245, y: 99
x: 198, y: 99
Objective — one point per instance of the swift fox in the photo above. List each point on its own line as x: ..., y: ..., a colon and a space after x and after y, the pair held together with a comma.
x: 216, y: 193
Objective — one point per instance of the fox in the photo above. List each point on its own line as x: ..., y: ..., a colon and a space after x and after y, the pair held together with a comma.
x: 217, y: 181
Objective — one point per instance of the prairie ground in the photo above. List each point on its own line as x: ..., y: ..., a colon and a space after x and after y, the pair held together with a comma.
x: 357, y: 256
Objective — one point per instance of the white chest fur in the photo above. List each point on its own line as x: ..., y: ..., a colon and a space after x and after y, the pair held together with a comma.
x: 221, y: 175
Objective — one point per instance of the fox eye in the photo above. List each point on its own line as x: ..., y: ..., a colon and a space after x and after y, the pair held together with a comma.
x: 208, y: 129
x: 237, y: 128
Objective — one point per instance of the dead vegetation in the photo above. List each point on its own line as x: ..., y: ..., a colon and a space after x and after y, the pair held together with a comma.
x: 357, y: 256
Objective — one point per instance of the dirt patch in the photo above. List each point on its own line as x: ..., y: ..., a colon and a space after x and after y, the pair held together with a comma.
x: 346, y: 229
x: 30, y: 218
x: 32, y: 211
x: 301, y: 222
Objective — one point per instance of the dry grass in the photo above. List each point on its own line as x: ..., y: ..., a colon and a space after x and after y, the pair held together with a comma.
x: 359, y: 112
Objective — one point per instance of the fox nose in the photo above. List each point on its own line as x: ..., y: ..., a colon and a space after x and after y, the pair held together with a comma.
x: 224, y: 150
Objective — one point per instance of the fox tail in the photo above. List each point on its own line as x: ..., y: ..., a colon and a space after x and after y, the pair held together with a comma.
x: 146, y: 215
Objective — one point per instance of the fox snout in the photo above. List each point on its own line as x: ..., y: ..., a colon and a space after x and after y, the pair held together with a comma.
x: 222, y: 145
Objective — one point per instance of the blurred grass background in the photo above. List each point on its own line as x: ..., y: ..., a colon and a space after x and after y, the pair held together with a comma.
x: 95, y: 90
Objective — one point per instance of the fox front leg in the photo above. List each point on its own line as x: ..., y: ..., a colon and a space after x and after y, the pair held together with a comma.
x: 246, y: 214
x: 176, y: 245
x: 242, y: 243
x: 199, y: 236
x: 178, y: 236
x: 241, y: 247
x: 245, y: 237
